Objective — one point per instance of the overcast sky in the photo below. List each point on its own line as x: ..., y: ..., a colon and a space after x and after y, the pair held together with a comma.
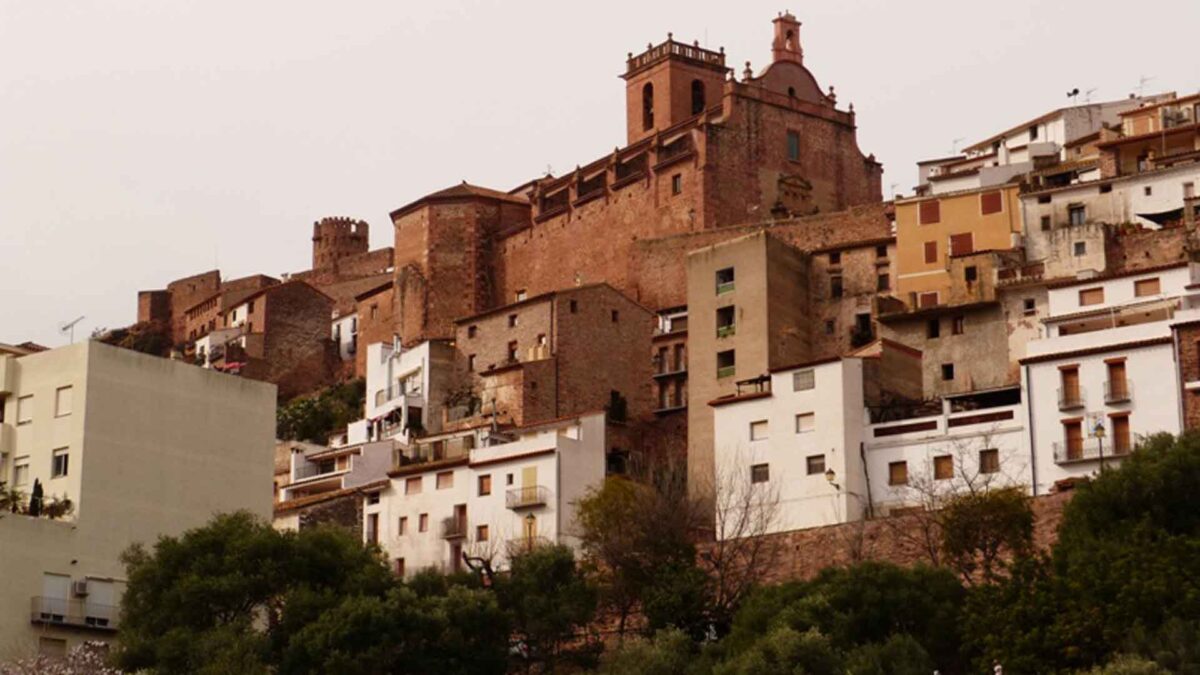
x: 141, y: 141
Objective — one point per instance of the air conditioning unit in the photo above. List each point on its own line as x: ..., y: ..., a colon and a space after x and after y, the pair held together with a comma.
x: 79, y: 588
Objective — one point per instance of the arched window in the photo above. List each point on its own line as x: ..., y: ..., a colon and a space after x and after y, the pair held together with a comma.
x: 791, y: 45
x: 697, y: 97
x: 648, y: 106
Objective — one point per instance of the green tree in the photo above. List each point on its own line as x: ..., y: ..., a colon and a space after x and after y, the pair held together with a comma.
x: 980, y: 530
x: 787, y: 650
x: 315, y: 417
x: 548, y: 601
x: 898, y: 655
x: 669, y: 652
x: 235, y: 589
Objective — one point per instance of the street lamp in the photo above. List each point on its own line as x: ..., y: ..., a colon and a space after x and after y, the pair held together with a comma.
x: 1098, y: 432
x: 831, y: 478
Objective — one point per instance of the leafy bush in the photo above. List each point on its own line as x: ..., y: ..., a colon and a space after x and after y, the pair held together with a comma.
x: 314, y: 418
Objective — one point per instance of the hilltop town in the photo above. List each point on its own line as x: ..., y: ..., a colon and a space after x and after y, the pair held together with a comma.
x: 726, y: 293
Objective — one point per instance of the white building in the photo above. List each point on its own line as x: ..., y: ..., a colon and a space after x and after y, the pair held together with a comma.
x: 1106, y: 373
x: 486, y: 493
x: 345, y: 334
x: 809, y: 435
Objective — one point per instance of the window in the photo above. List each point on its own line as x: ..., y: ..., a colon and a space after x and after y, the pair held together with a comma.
x: 485, y: 485
x: 58, y: 463
x: 1045, y: 223
x: 62, y: 401
x: 1189, y: 190
x: 989, y: 461
x: 928, y: 299
x: 373, y: 528
x: 962, y: 244
x: 931, y: 252
x: 835, y: 286
x: 726, y: 363
x: 20, y: 471
x: 373, y: 498
x: 1076, y: 214
x: 947, y: 372
x: 760, y: 473
x: 835, y: 258
x: 1073, y: 438
x: 1043, y: 199
x: 758, y: 430
x: 250, y: 307
x: 830, y: 327
x: 883, y: 282
x: 933, y: 328
x: 423, y: 522
x: 1106, y: 188
x: 971, y: 274
x: 1148, y: 191
x: 1118, y: 383
x: 1121, y: 438
x: 677, y: 184
x: 374, y: 311
x: 574, y: 306
x: 616, y: 316
x: 697, y: 97
x: 508, y: 479
x: 1145, y: 287
x: 1080, y: 248
x: 402, y: 526
x: 805, y: 422
x: 25, y: 409
x: 957, y: 324
x: 898, y: 473
x: 814, y: 465
x: 930, y: 212
x: 541, y: 340
x: 1033, y: 133
x: 481, y: 533
x: 990, y: 202
x: 412, y: 486
x: 881, y: 251
x: 512, y: 351
x: 512, y: 320
x: 726, y: 321
x: 445, y: 480
x: 647, y: 107
x: 1029, y: 306
x: 1091, y: 296
x: 724, y: 280
x: 520, y: 295
x: 399, y: 567
x: 793, y: 145
x: 943, y: 467
x: 803, y: 380
x: 471, y: 362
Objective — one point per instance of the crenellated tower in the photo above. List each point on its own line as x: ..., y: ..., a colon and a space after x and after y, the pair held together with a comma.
x: 336, y: 238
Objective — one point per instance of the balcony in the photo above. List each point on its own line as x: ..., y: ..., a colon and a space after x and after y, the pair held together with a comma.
x: 454, y: 527
x: 727, y: 330
x: 394, y: 392
x: 306, y: 470
x: 74, y: 612
x: 526, y: 497
x: 1118, y: 392
x: 1090, y: 449
x: 1071, y: 399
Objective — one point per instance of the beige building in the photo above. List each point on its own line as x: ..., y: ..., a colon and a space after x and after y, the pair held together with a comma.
x: 142, y: 447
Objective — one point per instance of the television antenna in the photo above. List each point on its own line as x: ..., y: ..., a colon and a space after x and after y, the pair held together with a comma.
x: 1087, y: 95
x: 954, y: 145
x: 68, y: 328
x: 1142, y: 83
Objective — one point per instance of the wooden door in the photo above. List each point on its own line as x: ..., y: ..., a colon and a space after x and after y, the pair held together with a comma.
x: 1074, y: 432
x: 1070, y: 384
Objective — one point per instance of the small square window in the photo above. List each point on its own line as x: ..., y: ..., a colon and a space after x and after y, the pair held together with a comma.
x: 481, y: 533
x: 59, y: 463
x: 1076, y: 215
x: 512, y: 351
x: 616, y: 316
x: 933, y: 328
x: 512, y: 320
x: 881, y: 251
x: 676, y: 184
x: 1029, y: 306
x: 1080, y: 248
x: 1043, y: 199
x: 971, y: 274
x: 574, y: 306
x: 25, y: 409
x: 445, y: 480
x: 1046, y: 223
x: 508, y: 479
x: 883, y: 282
x: 989, y: 461
x: 814, y: 465
x: 948, y: 371
x: 412, y: 486
x: 726, y: 363
x: 758, y: 430
x: 803, y: 380
x: 957, y: 325
x: 760, y: 473
x: 835, y: 258
x: 835, y: 286
x: 520, y: 295
x: 485, y: 485
x: 1148, y: 191
x: 725, y: 280
x: 1106, y: 188
x: 943, y: 467
x: 62, y: 401
x: 373, y: 498
x: 806, y: 422
x: 898, y: 473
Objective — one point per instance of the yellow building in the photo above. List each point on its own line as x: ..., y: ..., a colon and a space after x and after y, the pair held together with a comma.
x: 931, y: 231
x: 142, y: 447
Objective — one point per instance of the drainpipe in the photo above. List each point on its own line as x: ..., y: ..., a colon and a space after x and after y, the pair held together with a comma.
x: 1032, y: 442
x: 862, y: 453
x: 1178, y: 379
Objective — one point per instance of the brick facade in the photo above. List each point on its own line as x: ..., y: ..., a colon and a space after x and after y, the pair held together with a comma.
x: 1187, y: 347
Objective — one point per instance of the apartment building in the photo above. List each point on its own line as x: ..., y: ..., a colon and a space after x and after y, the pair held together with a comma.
x: 323, y: 485
x: 1106, y: 371
x: 141, y: 447
x: 407, y: 390
x: 1153, y: 135
x: 486, y: 493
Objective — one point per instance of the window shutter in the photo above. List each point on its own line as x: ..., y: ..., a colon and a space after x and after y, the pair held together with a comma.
x: 962, y: 244
x: 991, y: 202
x: 931, y: 211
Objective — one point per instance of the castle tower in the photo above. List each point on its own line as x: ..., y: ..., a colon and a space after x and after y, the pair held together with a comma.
x: 668, y: 83
x: 786, y: 46
x: 337, y: 238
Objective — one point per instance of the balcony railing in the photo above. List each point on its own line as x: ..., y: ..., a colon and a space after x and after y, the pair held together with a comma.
x: 726, y: 371
x: 454, y: 527
x: 724, y: 287
x: 1118, y: 391
x: 393, y: 392
x: 526, y: 497
x: 1071, y: 399
x: 74, y: 612
x: 727, y: 330
x: 1090, y: 449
